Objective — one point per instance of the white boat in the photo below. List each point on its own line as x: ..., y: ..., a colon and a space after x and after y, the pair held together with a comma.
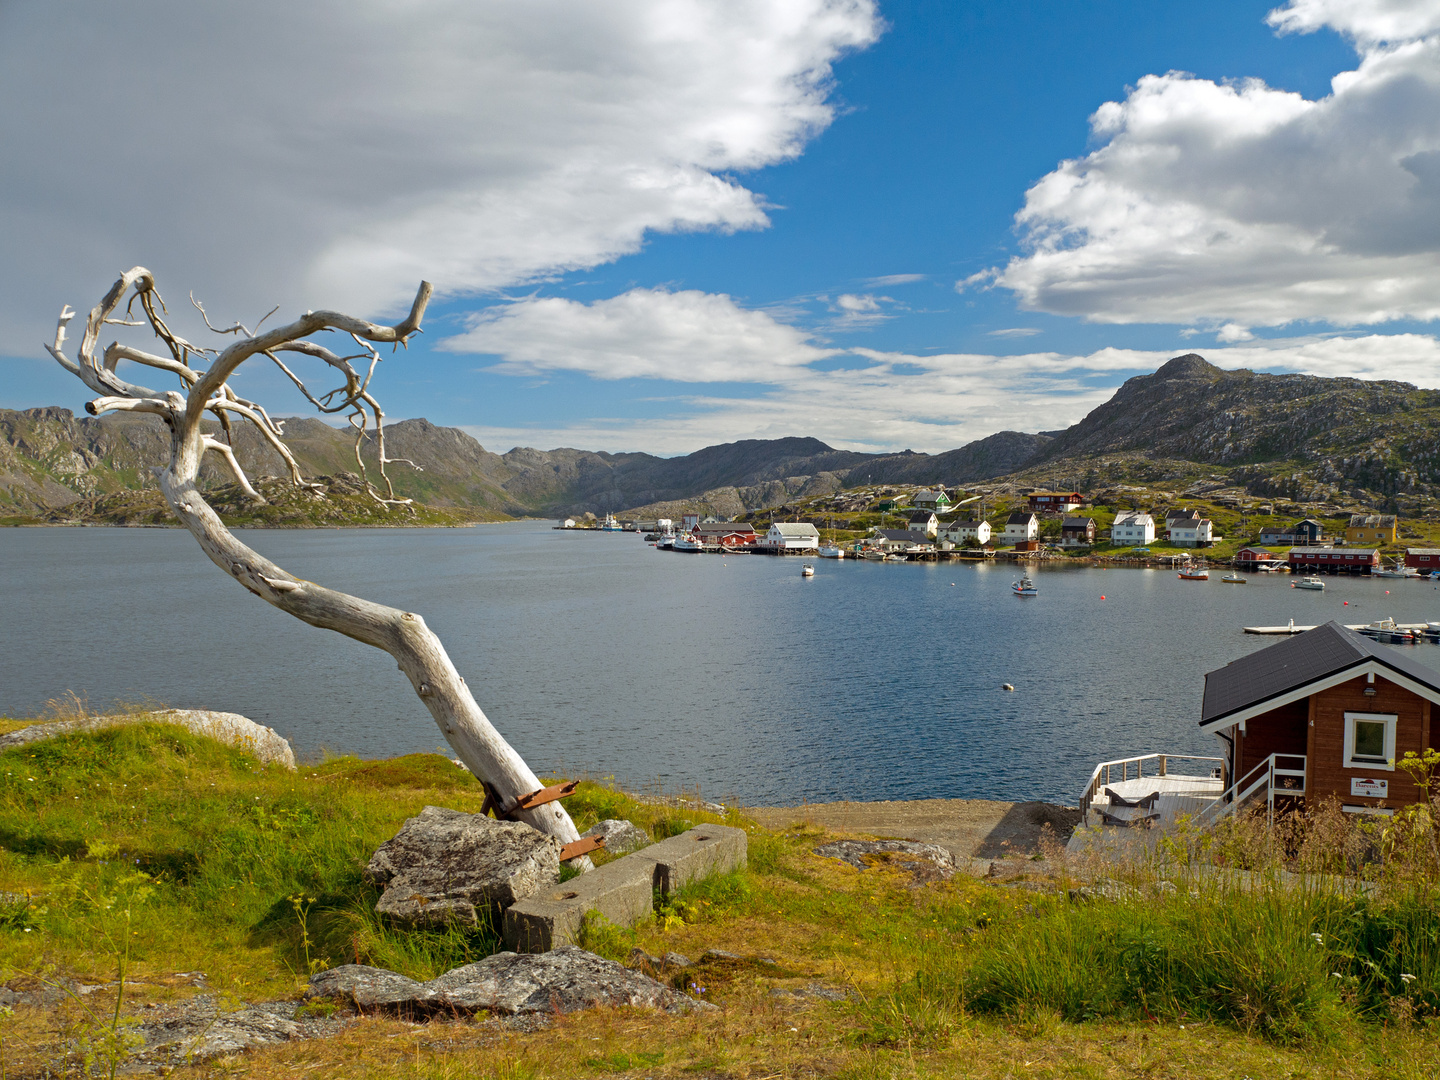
x: 807, y: 570
x: 686, y: 543
x: 1388, y: 631
x: 611, y: 525
x: 1308, y: 583
x: 874, y: 555
x: 1024, y: 587
x: 829, y: 551
x: 1194, y: 574
x: 1233, y: 578
x: 1397, y: 572
x: 897, y: 558
x: 665, y: 541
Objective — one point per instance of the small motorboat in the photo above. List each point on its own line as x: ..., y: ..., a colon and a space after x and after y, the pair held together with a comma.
x: 807, y: 570
x: 1397, y: 572
x: 1233, y: 578
x: 1308, y: 583
x: 1194, y: 573
x: 1024, y: 587
x: 1388, y: 631
x: 829, y: 551
x: 874, y: 555
x: 897, y: 558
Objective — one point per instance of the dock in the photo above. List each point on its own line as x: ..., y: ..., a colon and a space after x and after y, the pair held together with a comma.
x: 1291, y: 628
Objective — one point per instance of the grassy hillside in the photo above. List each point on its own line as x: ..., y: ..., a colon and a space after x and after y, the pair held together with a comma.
x: 151, y: 848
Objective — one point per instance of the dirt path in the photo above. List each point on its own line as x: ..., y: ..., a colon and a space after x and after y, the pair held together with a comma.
x: 968, y: 828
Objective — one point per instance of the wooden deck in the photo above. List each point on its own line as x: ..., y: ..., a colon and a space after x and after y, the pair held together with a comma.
x: 1177, y: 795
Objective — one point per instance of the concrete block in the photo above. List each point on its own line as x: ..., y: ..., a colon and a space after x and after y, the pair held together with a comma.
x: 699, y: 853
x: 622, y: 891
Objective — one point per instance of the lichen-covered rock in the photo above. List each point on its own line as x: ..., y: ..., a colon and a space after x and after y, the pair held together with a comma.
x: 447, y: 867
x: 566, y: 979
x: 924, y: 862
x: 619, y: 836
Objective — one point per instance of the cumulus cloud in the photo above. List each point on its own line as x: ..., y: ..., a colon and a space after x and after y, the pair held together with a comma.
x: 878, y: 400
x: 1239, y: 203
x: 331, y: 154
x: 685, y: 336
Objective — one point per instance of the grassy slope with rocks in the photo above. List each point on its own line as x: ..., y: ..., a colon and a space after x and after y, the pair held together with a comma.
x: 252, y: 875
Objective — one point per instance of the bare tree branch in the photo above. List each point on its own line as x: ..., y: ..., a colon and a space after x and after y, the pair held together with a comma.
x: 402, y: 634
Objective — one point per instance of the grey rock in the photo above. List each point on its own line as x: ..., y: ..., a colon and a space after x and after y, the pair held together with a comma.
x: 232, y: 729
x: 619, y: 836
x: 674, y: 960
x: 444, y: 865
x: 924, y: 862
x: 812, y: 992
x: 720, y: 954
x: 566, y: 979
x: 197, y: 1029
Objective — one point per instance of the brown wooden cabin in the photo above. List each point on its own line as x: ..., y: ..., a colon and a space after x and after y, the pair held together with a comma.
x: 1337, y: 707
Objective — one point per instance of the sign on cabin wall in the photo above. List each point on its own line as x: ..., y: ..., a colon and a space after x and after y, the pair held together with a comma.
x: 1371, y: 789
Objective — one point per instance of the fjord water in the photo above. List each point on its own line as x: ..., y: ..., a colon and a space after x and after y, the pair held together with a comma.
x: 595, y: 653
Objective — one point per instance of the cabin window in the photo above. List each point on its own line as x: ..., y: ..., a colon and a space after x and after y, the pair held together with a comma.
x: 1369, y: 741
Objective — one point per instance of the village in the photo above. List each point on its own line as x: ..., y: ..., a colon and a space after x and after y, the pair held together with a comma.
x: 920, y: 524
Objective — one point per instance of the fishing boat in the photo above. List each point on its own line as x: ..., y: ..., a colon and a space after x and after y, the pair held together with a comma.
x: 686, y: 543
x: 897, y: 558
x: 873, y: 554
x: 611, y: 524
x: 1397, y: 571
x: 1233, y: 578
x: 807, y: 570
x: 1388, y: 631
x: 1194, y: 573
x: 1024, y: 587
x: 830, y: 551
x: 1308, y: 583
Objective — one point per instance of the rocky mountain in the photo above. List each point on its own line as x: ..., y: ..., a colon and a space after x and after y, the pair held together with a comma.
x: 1297, y: 436
x: 49, y: 459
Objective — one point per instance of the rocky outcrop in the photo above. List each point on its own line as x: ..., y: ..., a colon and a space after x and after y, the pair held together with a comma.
x: 923, y: 862
x: 447, y: 867
x: 232, y: 729
x: 567, y: 979
x: 618, y: 836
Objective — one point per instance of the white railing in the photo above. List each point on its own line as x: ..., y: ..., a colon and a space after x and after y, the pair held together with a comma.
x: 1269, y: 778
x: 1114, y: 772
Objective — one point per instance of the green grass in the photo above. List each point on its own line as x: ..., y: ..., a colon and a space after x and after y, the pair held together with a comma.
x: 252, y: 875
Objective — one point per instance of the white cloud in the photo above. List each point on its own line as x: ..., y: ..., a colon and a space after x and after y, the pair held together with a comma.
x: 1239, y: 203
x: 330, y: 154
x: 1014, y: 332
x: 1231, y: 333
x: 888, y: 280
x: 645, y: 333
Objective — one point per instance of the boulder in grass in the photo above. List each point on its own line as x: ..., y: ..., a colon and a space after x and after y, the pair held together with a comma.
x: 620, y: 836
x: 566, y: 979
x: 447, y: 867
x: 923, y: 862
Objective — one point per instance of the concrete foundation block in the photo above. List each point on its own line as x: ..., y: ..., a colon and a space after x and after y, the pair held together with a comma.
x: 699, y: 853
x: 622, y: 891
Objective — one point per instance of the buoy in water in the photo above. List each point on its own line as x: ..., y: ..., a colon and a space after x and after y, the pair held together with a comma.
x: 1006, y: 686
x: 1102, y: 597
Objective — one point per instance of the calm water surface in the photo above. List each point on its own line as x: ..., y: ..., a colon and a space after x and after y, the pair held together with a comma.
x: 596, y: 653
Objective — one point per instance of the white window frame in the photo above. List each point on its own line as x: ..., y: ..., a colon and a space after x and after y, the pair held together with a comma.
x: 1389, y: 720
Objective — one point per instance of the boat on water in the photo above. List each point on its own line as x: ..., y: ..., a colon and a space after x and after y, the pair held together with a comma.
x: 1308, y: 583
x: 897, y: 558
x: 873, y: 554
x: 807, y: 570
x: 1194, y: 573
x: 1388, y: 631
x: 666, y: 540
x: 1397, y: 572
x: 611, y: 524
x: 829, y: 551
x: 1024, y: 587
x: 1233, y: 578
x: 686, y: 543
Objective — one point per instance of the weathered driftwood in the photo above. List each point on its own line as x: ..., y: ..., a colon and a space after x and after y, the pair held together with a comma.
x: 205, y: 390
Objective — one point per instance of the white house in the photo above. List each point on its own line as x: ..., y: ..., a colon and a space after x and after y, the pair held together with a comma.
x: 924, y: 522
x: 1020, y: 526
x: 1186, y: 533
x: 967, y: 532
x: 1180, y: 519
x: 793, y: 536
x: 900, y: 540
x: 1134, y: 527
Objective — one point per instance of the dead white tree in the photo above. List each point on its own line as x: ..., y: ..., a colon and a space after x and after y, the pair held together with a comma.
x: 203, y: 375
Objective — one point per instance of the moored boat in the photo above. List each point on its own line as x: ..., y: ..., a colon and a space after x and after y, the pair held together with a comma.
x: 1308, y: 583
x: 611, y: 524
x: 1388, y: 631
x: 1194, y: 573
x: 831, y: 552
x: 1233, y: 578
x: 687, y: 543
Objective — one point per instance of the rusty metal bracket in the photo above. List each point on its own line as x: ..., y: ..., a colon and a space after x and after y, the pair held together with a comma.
x: 526, y: 802
x: 583, y: 846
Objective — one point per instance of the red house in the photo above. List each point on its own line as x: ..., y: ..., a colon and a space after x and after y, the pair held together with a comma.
x: 1423, y: 559
x: 1252, y: 557
x: 1055, y: 502
x: 1316, y: 560
x: 728, y: 534
x: 1324, y: 714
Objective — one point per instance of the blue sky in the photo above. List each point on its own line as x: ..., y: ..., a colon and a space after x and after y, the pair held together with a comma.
x: 669, y: 223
